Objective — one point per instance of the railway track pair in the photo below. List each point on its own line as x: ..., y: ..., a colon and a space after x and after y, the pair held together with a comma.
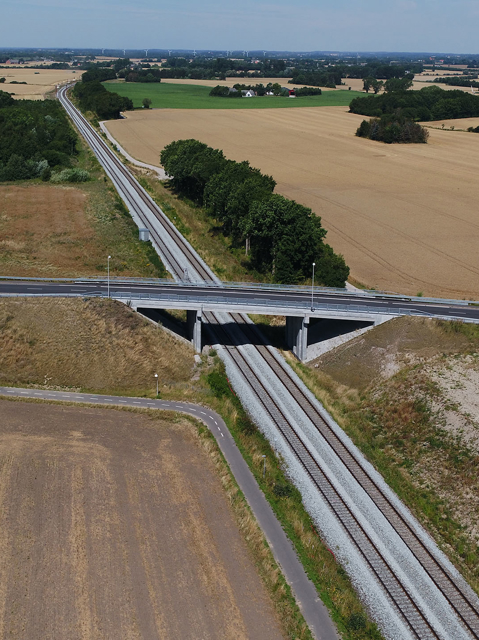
x: 455, y: 590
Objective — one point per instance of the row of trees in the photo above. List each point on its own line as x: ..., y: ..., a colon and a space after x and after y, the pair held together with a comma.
x: 282, y: 237
x: 391, y: 129
x: 36, y: 136
x: 430, y: 103
x: 106, y: 105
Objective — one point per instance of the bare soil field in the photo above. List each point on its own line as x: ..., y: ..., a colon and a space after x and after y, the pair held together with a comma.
x: 66, y: 231
x: 40, y: 82
x: 115, y: 525
x: 404, y: 216
x: 91, y: 344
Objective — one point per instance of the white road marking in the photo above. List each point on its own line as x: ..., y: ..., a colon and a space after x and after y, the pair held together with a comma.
x: 215, y: 421
x: 203, y: 413
x: 134, y: 402
x: 222, y: 434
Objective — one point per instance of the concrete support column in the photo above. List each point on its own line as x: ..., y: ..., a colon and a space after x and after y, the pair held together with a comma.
x: 193, y: 321
x: 297, y: 335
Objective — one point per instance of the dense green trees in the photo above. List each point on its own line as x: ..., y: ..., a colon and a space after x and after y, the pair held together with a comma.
x: 430, y: 103
x: 35, y: 135
x: 391, y: 129
x: 93, y: 96
x: 283, y: 237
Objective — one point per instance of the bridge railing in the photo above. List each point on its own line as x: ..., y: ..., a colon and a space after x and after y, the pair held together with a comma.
x: 260, y: 286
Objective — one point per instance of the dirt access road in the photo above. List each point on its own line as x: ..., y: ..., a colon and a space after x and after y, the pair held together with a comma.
x: 114, y: 525
x: 404, y: 216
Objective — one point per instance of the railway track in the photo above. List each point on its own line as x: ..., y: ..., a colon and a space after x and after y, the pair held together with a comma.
x: 462, y: 600
x: 458, y: 593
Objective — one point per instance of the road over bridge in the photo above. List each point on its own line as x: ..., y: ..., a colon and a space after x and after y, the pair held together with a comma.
x: 300, y: 305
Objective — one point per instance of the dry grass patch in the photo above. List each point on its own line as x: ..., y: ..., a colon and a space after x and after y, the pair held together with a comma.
x: 402, y: 216
x: 66, y: 231
x: 99, y: 345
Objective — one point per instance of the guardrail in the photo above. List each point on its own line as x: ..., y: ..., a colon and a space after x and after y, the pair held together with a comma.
x: 244, y: 305
x: 260, y: 286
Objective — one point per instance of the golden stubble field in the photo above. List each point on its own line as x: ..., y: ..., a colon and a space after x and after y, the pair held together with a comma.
x: 40, y: 82
x: 404, y: 216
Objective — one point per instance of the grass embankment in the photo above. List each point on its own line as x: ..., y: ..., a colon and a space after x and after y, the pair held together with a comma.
x: 190, y: 96
x: 94, y: 345
x: 406, y: 392
x: 202, y: 231
x: 50, y: 230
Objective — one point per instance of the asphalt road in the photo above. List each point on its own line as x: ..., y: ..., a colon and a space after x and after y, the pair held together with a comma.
x: 314, y: 611
x: 248, y: 296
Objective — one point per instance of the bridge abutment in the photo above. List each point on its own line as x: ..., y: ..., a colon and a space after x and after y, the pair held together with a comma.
x: 193, y: 322
x: 297, y: 335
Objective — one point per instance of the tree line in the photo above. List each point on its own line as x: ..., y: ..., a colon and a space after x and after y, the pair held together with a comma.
x: 281, y: 237
x: 430, y: 103
x: 36, y: 138
x: 92, y: 95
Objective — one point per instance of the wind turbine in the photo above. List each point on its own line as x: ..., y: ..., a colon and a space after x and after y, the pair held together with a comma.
x: 194, y: 53
x: 169, y: 53
x: 264, y: 54
x: 146, y: 53
x: 103, y: 52
x: 124, y: 52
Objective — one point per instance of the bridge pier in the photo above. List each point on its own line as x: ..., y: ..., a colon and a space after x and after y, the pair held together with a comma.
x: 297, y: 335
x: 193, y: 322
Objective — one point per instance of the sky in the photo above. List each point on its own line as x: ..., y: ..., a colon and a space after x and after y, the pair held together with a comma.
x: 302, y: 25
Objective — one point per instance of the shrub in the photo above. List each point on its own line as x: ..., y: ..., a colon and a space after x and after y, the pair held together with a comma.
x: 357, y: 621
x: 70, y: 175
x: 218, y: 384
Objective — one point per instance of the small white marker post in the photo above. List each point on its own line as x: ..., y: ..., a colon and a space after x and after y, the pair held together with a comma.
x: 156, y: 376
x: 264, y: 467
x: 312, y: 289
x: 108, y: 268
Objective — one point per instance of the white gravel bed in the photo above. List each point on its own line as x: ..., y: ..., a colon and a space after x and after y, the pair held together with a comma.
x: 400, y: 559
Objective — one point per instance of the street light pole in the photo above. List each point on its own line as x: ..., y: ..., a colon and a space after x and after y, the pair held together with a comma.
x: 109, y: 258
x: 156, y: 376
x: 264, y: 466
x: 312, y: 289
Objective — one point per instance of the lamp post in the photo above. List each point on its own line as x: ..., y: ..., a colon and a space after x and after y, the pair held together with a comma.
x: 156, y: 376
x: 108, y: 268
x: 264, y: 466
x: 312, y: 289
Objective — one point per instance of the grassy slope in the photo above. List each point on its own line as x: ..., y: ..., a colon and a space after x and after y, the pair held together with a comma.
x: 95, y: 345
x: 380, y: 390
x: 189, y: 96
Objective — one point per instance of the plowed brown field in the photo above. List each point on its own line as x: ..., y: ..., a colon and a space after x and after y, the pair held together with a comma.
x: 404, y: 216
x: 114, y: 525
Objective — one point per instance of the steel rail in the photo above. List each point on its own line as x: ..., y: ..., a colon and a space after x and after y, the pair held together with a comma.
x: 460, y: 596
x: 420, y: 625
x: 396, y: 591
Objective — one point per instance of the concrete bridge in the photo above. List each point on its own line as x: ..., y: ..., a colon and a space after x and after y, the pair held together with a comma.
x: 302, y: 306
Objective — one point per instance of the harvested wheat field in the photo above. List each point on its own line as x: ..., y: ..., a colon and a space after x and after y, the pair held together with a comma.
x: 95, y: 344
x: 115, y: 525
x: 40, y: 82
x: 404, y: 216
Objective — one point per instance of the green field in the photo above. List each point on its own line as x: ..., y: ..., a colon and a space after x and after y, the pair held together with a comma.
x: 165, y: 95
